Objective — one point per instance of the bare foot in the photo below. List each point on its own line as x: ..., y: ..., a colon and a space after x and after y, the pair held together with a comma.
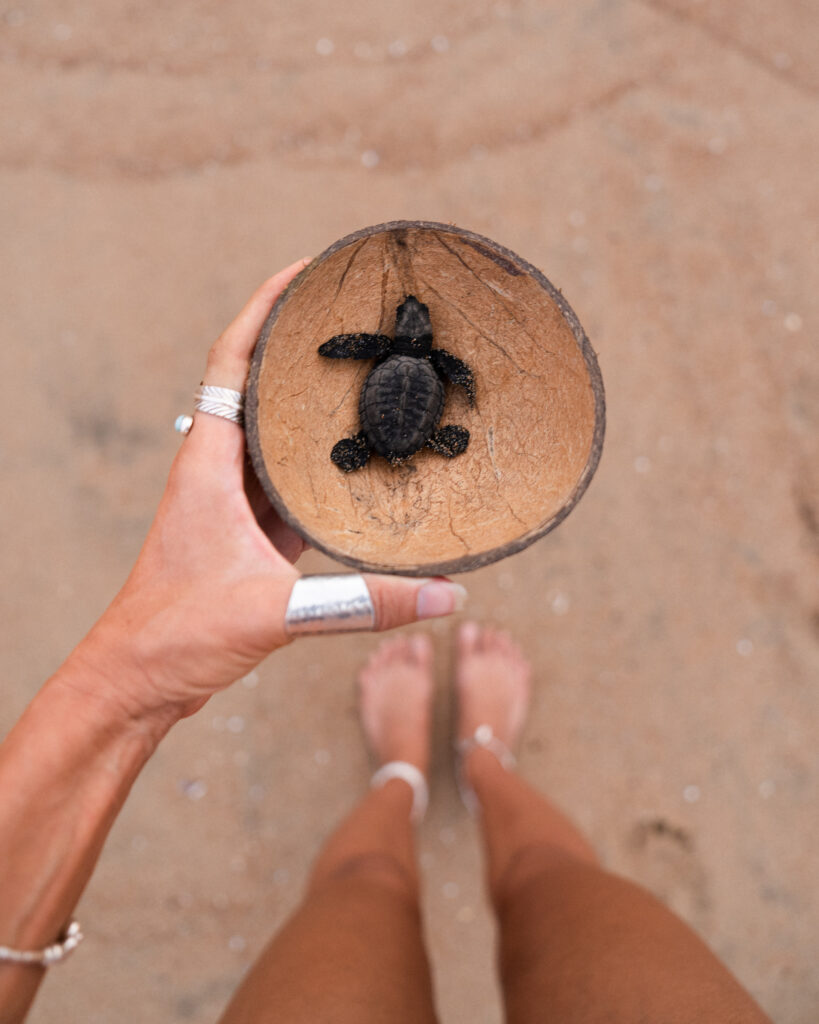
x: 493, y: 683
x: 395, y: 694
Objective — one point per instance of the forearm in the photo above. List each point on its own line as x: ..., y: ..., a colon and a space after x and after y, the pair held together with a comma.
x: 65, y: 771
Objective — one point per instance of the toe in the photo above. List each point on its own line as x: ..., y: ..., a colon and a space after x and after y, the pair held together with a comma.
x: 421, y: 649
x: 488, y: 639
x: 468, y: 637
x: 387, y: 651
x: 401, y: 650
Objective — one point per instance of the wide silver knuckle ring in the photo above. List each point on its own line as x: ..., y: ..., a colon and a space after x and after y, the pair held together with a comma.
x: 329, y: 604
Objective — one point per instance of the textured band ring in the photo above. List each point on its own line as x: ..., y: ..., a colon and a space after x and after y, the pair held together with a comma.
x: 329, y: 604
x: 219, y: 401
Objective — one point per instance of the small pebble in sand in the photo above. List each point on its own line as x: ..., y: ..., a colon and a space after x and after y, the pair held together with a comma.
x: 397, y: 48
x: 235, y: 724
x: 281, y: 876
x: 691, y: 794
x: 194, y: 789
x: 745, y: 647
x: 767, y: 788
x: 370, y: 159
x: 251, y: 680
x: 322, y: 757
x: 793, y: 322
x: 450, y: 890
x: 652, y: 183
x: 559, y: 603
x: 237, y: 943
x: 324, y: 47
x: 466, y: 915
x: 440, y: 44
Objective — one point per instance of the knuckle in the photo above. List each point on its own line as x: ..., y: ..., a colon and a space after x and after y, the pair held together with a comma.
x: 390, y: 604
x: 377, y: 598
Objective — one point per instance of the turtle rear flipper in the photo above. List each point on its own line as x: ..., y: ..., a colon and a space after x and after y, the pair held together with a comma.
x: 449, y: 441
x: 356, y: 346
x: 351, y: 453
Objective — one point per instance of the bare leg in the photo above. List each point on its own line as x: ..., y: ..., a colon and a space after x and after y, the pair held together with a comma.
x: 354, y: 951
x: 577, y: 944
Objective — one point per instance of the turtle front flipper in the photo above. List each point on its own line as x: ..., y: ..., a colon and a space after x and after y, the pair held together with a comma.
x: 351, y: 453
x: 356, y: 346
x: 449, y: 441
x: 454, y: 369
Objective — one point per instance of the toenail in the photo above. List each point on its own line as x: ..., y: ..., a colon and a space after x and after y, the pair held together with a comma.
x: 469, y: 631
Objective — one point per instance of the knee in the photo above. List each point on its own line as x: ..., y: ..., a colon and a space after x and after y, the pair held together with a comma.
x: 370, y: 869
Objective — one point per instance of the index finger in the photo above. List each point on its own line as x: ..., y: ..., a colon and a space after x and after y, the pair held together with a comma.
x: 230, y: 354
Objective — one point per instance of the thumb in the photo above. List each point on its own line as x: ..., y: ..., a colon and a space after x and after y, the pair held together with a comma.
x: 398, y: 600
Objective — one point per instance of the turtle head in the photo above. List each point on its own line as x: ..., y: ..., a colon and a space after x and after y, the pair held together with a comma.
x: 413, y: 328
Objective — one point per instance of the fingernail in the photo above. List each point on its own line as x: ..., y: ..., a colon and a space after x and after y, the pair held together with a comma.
x: 440, y: 598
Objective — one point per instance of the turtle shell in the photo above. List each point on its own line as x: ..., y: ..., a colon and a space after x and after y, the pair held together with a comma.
x: 401, y: 402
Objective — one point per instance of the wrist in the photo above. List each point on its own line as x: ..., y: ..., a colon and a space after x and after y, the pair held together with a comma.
x: 106, y: 680
x: 65, y: 770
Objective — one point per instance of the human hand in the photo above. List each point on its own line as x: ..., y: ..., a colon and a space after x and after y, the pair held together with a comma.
x: 206, y: 599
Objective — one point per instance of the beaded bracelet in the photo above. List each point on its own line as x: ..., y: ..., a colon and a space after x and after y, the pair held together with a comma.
x: 53, y: 954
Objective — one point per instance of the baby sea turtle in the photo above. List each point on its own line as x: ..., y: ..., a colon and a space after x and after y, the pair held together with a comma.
x: 403, y: 396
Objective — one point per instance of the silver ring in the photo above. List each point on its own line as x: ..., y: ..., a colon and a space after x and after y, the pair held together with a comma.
x: 329, y: 604
x: 218, y: 401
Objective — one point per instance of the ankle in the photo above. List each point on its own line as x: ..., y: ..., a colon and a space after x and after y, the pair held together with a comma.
x: 412, y: 778
x: 481, y: 764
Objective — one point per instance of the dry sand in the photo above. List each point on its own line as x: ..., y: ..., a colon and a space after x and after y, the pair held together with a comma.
x: 657, y: 159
